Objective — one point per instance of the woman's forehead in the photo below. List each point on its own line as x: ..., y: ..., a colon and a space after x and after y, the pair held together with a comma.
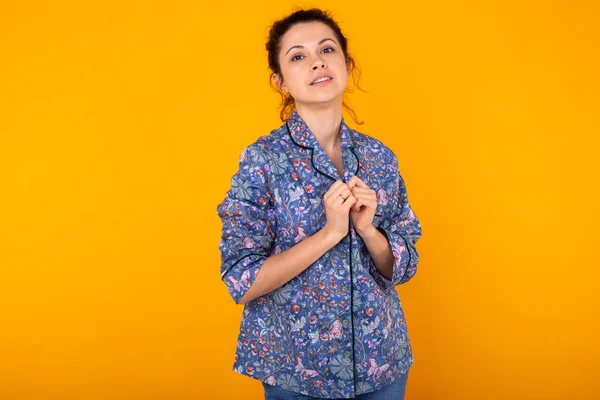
x: 306, y: 34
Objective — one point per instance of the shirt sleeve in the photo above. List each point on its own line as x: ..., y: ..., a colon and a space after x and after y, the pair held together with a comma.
x: 248, y: 223
x: 402, y: 230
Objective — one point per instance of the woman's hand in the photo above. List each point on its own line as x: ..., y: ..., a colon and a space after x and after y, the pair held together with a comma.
x: 364, y: 208
x: 338, y: 201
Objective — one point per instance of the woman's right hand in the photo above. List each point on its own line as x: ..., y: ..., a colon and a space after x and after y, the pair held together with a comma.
x: 338, y: 200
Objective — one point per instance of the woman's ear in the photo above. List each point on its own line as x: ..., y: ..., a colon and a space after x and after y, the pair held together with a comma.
x: 278, y: 81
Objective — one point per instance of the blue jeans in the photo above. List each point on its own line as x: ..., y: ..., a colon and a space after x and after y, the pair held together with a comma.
x: 394, y: 391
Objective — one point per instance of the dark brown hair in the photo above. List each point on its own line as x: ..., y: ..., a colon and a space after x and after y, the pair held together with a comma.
x: 279, y: 28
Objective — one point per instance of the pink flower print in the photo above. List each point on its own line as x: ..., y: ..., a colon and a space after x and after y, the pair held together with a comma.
x: 300, y: 235
x: 398, y: 248
x: 336, y: 329
x: 277, y: 249
x: 248, y: 242
x: 300, y: 211
x: 243, y: 282
x: 375, y: 369
x: 382, y: 197
x: 304, y: 373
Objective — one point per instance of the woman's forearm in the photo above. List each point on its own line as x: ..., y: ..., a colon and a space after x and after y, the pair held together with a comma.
x: 381, y: 251
x: 280, y: 268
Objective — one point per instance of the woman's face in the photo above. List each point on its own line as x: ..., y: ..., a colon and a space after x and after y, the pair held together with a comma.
x: 308, y: 51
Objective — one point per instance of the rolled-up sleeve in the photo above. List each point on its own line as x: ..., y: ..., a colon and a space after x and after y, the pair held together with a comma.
x: 403, y: 230
x: 248, y: 223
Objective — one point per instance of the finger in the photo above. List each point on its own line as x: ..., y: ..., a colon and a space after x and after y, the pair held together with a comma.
x: 364, y: 193
x: 343, y: 197
x: 359, y: 182
x: 352, y: 181
x: 359, y: 203
x: 340, y: 201
x: 362, y: 190
x: 358, y: 194
x: 335, y: 194
x: 332, y: 189
x: 341, y: 191
x: 350, y: 201
x: 367, y: 198
x: 345, y: 192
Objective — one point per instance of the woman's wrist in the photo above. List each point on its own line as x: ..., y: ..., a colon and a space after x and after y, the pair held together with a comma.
x: 330, y: 237
x: 368, y: 233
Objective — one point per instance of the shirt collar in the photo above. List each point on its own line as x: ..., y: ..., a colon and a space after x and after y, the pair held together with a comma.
x: 303, y: 136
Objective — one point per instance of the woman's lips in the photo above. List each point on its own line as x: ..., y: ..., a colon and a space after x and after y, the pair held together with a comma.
x: 322, y: 83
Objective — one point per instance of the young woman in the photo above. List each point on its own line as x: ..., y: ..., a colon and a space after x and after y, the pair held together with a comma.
x: 317, y: 232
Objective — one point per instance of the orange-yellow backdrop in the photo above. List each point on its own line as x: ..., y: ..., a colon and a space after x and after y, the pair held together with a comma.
x: 121, y: 124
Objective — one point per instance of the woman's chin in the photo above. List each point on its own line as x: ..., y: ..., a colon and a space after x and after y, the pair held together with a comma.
x: 326, y: 98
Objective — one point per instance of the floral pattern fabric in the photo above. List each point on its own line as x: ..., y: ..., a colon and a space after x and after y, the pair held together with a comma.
x: 337, y: 329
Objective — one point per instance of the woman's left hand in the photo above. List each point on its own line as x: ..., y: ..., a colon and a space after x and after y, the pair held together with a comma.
x: 363, y: 211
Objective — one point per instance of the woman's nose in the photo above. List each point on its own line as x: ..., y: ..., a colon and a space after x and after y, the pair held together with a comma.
x: 318, y: 64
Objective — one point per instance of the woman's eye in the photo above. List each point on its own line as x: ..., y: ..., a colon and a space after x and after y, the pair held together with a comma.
x: 326, y: 50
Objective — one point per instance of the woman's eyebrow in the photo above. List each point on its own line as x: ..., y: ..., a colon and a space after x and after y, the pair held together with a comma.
x: 301, y: 47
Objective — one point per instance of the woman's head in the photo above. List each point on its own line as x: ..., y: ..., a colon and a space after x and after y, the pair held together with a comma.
x: 302, y: 47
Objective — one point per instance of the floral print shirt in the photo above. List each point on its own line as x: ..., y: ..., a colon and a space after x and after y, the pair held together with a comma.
x: 337, y: 329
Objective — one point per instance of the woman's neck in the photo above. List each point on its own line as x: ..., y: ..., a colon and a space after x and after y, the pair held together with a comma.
x: 324, y: 123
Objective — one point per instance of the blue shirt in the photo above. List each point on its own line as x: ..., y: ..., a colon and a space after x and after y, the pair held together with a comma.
x: 337, y: 329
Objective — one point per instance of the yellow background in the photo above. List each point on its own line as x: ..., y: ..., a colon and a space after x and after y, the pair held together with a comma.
x: 121, y: 123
